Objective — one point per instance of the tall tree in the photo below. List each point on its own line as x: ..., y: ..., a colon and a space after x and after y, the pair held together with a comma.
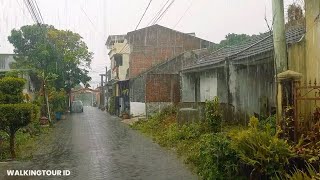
x: 48, y: 50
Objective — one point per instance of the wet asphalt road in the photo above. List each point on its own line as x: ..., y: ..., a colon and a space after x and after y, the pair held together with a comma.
x: 95, y: 145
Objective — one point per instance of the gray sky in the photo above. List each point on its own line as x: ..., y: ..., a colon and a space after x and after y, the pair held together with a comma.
x: 94, y: 20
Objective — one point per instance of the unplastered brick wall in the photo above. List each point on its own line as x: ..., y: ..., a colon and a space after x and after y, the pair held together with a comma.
x: 162, y: 88
x: 155, y: 44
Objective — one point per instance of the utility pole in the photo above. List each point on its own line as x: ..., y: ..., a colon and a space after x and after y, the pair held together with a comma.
x: 279, y: 36
x: 102, y: 92
x: 106, y: 87
x: 280, y: 51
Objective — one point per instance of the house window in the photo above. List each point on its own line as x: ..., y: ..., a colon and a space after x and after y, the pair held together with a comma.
x: 118, y: 60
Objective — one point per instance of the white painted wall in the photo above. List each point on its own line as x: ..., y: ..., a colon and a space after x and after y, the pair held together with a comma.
x: 124, y: 49
x: 138, y: 108
x: 208, y: 85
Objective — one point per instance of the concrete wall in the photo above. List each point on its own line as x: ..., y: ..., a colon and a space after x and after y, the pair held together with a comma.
x: 137, y: 89
x: 312, y: 39
x: 255, y: 88
x: 155, y: 107
x: 297, y: 57
x: 188, y: 87
x: 137, y: 108
x: 208, y: 85
x: 155, y: 44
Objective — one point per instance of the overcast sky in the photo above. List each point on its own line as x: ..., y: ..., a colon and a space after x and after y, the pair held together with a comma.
x: 95, y: 20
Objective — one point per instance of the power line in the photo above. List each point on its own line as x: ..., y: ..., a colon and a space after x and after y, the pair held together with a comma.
x: 39, y: 11
x: 137, y: 24
x: 158, y: 13
x: 163, y: 13
x: 34, y: 11
x: 183, y: 14
x: 143, y: 14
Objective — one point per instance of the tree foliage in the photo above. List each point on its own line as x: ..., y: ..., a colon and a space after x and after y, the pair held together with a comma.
x: 234, y: 39
x: 14, y: 114
x: 49, y: 50
x: 11, y: 90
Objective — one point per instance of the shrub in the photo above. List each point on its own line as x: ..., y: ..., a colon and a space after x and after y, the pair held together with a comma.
x: 213, y: 114
x: 265, y: 153
x: 11, y: 90
x: 217, y: 160
x: 268, y: 124
x: 15, y: 116
x: 309, y: 174
x: 58, y: 100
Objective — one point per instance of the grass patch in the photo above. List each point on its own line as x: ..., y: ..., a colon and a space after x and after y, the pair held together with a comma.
x: 27, y: 142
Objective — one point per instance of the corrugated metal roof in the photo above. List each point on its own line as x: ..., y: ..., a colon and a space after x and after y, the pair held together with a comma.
x: 256, y: 45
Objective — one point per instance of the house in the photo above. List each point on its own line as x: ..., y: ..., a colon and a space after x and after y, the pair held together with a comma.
x: 119, y: 57
x: 118, y: 78
x: 150, y: 47
x: 5, y: 61
x: 143, y: 49
x: 155, y: 44
x: 241, y: 76
x: 159, y: 87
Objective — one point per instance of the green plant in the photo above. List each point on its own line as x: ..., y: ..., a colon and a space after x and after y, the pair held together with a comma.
x: 13, y: 117
x: 112, y: 109
x: 11, y: 90
x: 309, y: 174
x: 268, y: 124
x: 58, y: 100
x: 217, y: 160
x: 13, y: 113
x: 265, y: 153
x: 213, y: 114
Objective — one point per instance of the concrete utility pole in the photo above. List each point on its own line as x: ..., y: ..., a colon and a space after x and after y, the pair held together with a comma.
x: 106, y: 87
x: 280, y: 50
x: 279, y: 36
x: 102, y: 92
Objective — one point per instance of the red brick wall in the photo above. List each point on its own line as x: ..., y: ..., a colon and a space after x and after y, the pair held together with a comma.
x: 162, y: 88
x: 155, y: 44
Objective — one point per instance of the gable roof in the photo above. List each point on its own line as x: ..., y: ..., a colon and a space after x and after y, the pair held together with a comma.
x: 254, y: 46
x: 166, y: 28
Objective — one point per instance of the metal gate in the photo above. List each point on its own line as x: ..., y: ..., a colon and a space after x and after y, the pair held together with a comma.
x: 306, y: 105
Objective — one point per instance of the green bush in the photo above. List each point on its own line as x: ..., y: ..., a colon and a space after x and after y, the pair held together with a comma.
x: 11, y: 90
x: 213, y: 114
x: 265, y: 153
x: 268, y: 124
x: 217, y: 160
x: 58, y: 100
x: 309, y: 174
x: 15, y: 116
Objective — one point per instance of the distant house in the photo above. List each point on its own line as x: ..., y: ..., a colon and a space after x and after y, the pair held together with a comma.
x: 5, y: 61
x: 118, y: 77
x: 242, y: 76
x: 143, y: 49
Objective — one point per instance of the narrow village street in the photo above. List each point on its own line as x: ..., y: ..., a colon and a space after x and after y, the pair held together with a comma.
x: 95, y: 145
